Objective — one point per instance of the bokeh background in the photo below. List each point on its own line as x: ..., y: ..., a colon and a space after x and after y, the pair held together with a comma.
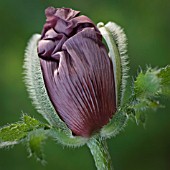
x: 147, y: 25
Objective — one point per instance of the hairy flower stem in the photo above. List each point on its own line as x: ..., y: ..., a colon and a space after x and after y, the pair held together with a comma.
x: 99, y: 150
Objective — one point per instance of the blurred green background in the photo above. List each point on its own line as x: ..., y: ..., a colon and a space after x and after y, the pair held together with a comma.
x: 147, y: 24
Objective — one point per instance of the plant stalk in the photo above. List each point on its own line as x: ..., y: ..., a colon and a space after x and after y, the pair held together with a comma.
x: 99, y: 150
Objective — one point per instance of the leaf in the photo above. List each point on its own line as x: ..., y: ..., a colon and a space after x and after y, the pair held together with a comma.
x: 35, y: 141
x: 7, y: 144
x: 14, y: 133
x: 165, y: 80
x: 147, y: 88
x: 140, y: 118
x: 147, y: 84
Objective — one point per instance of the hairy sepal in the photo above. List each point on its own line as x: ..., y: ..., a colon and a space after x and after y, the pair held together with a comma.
x: 67, y: 139
x: 115, y: 126
x: 35, y: 85
x: 117, y: 43
x: 37, y: 92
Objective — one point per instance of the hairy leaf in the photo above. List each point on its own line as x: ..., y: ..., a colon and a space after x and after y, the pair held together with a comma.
x: 148, y: 87
x: 147, y: 84
x: 165, y: 80
x: 14, y: 133
x: 35, y: 141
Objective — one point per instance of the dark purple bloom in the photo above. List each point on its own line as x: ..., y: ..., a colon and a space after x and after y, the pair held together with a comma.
x: 77, y: 71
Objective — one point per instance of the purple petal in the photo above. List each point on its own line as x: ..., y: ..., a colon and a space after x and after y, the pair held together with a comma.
x: 77, y: 71
x: 81, y: 84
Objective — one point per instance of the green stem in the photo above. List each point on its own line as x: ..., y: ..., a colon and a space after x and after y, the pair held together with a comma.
x: 99, y: 150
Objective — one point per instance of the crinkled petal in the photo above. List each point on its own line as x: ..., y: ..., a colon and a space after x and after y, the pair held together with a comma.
x: 80, y: 83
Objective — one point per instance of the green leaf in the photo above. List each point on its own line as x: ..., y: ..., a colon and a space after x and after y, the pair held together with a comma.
x: 147, y: 84
x: 14, y: 133
x: 147, y: 88
x: 140, y: 118
x: 35, y: 141
x: 165, y: 80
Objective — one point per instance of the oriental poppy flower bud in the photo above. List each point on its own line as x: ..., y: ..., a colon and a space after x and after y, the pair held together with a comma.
x: 77, y: 71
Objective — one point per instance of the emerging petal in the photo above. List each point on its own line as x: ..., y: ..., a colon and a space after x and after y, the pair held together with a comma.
x: 79, y: 78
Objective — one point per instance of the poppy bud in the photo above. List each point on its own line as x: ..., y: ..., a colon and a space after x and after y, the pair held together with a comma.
x: 77, y: 71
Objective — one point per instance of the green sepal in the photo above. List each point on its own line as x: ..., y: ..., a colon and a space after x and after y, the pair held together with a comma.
x: 66, y: 138
x: 35, y: 85
x: 37, y: 91
x: 116, y: 124
x: 116, y: 41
